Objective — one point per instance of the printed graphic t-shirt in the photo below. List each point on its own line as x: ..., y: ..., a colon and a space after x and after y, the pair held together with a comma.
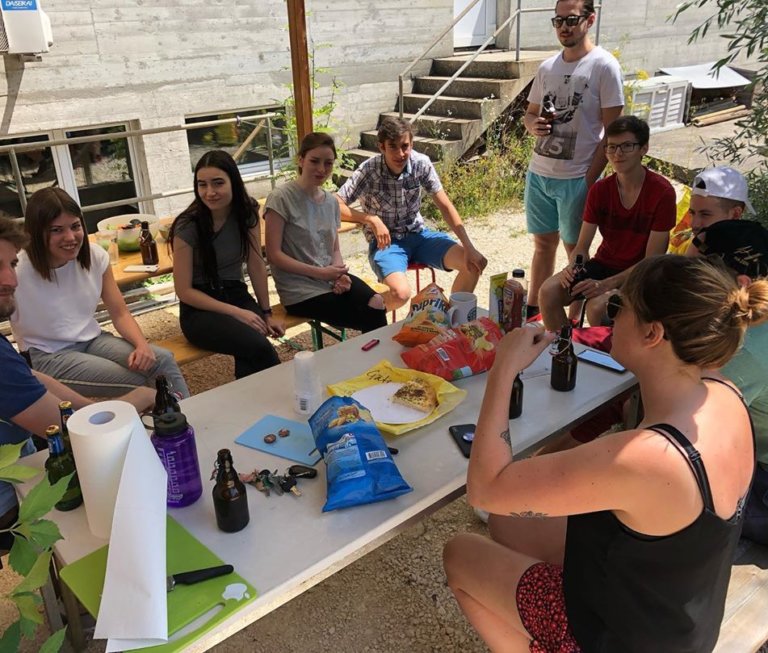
x: 579, y: 91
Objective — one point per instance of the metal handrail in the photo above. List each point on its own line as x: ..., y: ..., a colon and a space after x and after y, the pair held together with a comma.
x: 11, y: 150
x: 512, y: 17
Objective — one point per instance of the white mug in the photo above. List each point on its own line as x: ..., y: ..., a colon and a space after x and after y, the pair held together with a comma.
x: 463, y: 308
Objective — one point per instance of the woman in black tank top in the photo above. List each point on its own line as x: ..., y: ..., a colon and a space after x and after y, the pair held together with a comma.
x: 633, y: 543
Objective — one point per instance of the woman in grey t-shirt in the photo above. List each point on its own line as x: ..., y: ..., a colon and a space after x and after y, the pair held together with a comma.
x: 211, y: 240
x: 302, y: 222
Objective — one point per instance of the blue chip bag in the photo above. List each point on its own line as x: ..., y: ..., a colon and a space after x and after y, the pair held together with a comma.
x: 359, y: 466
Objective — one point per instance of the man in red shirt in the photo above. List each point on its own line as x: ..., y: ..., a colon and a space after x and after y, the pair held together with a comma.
x: 634, y: 209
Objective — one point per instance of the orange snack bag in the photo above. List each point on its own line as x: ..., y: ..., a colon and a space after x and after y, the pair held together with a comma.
x: 428, y: 317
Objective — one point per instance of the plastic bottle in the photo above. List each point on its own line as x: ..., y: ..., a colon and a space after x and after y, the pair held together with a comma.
x: 60, y: 463
x: 515, y: 301
x: 564, y: 362
x: 174, y: 441
x: 148, y: 246
x: 516, y: 399
x: 229, y: 498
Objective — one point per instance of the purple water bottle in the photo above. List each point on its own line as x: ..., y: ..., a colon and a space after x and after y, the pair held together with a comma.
x: 174, y: 441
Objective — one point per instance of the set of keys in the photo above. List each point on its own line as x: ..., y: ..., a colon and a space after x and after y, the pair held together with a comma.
x: 267, y: 482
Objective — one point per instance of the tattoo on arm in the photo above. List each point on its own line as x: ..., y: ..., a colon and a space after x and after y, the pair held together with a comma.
x: 504, y: 435
x: 529, y: 514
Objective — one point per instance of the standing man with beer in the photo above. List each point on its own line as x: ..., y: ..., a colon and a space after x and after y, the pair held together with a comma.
x: 579, y: 91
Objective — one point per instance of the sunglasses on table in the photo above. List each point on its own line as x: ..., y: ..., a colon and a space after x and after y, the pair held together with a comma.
x: 569, y: 21
x: 626, y: 147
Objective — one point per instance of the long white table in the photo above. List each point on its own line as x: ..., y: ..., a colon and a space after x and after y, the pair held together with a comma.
x: 289, y: 544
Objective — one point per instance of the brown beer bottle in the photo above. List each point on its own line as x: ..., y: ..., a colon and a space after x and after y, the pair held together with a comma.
x: 229, y: 498
x: 579, y: 274
x: 516, y: 400
x: 165, y: 401
x: 564, y: 362
x: 148, y: 246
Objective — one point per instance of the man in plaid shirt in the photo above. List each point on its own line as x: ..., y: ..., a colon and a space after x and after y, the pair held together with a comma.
x: 389, y: 189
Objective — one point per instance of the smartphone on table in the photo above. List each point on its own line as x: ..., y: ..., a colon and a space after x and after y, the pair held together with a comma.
x: 463, y: 435
x: 601, y: 359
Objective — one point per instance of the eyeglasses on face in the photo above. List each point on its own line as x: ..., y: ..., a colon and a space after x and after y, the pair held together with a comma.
x: 615, y: 304
x: 570, y: 21
x: 626, y: 147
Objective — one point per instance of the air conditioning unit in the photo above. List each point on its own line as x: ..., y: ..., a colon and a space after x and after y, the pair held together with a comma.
x: 661, y: 101
x: 24, y: 28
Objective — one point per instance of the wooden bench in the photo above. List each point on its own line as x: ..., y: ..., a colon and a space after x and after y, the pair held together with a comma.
x: 745, y: 621
x: 185, y: 352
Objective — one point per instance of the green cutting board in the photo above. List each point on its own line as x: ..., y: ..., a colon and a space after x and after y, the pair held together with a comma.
x: 184, y: 552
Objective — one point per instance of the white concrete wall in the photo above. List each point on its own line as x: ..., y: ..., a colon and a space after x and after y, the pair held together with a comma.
x: 641, y: 30
x: 153, y: 62
x: 156, y: 61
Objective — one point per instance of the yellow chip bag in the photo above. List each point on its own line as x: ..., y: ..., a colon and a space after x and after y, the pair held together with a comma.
x: 428, y: 317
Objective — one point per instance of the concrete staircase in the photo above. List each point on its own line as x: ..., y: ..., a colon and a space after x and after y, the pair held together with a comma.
x: 455, y: 121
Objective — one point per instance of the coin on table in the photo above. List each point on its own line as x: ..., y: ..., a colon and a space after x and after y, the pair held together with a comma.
x: 284, y: 433
x: 270, y: 438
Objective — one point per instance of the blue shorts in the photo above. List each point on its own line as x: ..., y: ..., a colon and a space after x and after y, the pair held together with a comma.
x: 426, y: 246
x: 555, y: 205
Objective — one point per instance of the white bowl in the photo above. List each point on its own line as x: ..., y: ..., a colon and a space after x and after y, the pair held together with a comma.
x: 128, y: 239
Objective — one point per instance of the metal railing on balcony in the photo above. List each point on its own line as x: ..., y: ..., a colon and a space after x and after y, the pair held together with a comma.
x: 514, y: 16
x: 257, y: 121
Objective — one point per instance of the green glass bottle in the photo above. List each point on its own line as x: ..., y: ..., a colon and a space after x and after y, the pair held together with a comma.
x: 60, y: 463
x: 65, y: 409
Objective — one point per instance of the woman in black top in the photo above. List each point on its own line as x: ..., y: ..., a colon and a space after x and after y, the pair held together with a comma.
x: 652, y: 514
x: 211, y: 240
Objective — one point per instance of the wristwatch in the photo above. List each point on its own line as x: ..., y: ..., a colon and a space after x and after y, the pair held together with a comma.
x: 266, y: 311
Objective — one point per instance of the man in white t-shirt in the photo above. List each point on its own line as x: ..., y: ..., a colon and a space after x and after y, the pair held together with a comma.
x: 574, y: 96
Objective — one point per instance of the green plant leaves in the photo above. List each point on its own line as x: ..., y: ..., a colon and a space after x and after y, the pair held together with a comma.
x: 17, y: 473
x: 36, y: 577
x: 27, y: 605
x: 42, y: 498
x: 11, y: 639
x: 22, y: 557
x: 54, y: 642
x: 10, y: 453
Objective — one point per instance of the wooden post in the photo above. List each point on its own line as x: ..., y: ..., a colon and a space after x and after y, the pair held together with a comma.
x: 302, y: 93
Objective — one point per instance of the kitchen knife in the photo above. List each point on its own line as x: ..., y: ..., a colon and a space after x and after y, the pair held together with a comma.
x: 191, y: 577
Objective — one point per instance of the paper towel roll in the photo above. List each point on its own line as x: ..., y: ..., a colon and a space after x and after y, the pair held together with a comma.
x: 100, y: 434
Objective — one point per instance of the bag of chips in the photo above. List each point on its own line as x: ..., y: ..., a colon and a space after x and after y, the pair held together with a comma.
x: 428, y: 317
x: 359, y: 467
x: 457, y: 353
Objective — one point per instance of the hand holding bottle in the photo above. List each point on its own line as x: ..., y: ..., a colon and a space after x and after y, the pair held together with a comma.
x: 519, y: 348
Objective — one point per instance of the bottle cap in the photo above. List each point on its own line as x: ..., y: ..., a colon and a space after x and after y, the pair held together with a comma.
x: 145, y: 224
x: 518, y: 273
x: 170, y: 424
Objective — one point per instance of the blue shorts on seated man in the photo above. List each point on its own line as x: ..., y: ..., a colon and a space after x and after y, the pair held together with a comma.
x: 426, y: 247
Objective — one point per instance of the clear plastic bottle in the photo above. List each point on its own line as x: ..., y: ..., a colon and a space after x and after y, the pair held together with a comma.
x: 515, y: 300
x: 174, y: 441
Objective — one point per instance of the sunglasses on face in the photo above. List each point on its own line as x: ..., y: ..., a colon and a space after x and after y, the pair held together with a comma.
x: 615, y: 304
x: 626, y: 147
x: 569, y: 21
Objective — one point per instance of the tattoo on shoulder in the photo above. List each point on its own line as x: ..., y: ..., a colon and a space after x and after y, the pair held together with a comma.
x: 529, y: 514
x: 504, y: 435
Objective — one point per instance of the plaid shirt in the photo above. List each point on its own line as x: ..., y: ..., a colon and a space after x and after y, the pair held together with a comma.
x: 396, y: 200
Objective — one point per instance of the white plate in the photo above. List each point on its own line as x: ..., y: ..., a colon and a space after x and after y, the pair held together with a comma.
x: 378, y: 400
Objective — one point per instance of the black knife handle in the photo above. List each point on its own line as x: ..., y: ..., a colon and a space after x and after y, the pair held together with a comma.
x: 191, y: 577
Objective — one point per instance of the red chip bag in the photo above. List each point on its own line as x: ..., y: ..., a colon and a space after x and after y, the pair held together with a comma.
x: 428, y: 317
x: 457, y: 353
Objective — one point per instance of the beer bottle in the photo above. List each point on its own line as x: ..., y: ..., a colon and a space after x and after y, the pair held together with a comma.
x: 60, y: 464
x: 516, y: 400
x: 65, y: 410
x: 564, y: 362
x: 548, y: 111
x: 165, y: 401
x: 148, y: 246
x: 229, y: 499
x: 579, y: 274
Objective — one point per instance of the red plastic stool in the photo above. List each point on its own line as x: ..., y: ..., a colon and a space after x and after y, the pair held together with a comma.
x: 417, y: 267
